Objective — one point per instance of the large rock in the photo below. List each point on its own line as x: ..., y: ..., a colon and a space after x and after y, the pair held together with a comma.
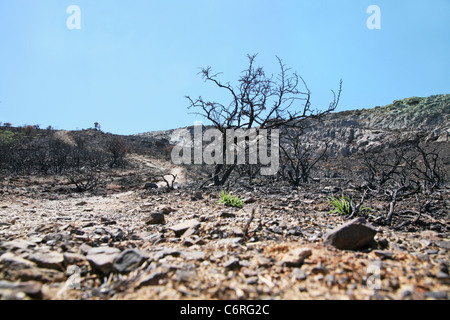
x: 12, y: 261
x: 128, y: 260
x: 295, y: 257
x: 152, y: 278
x: 352, y: 235
x: 181, y: 228
x: 102, y: 258
x: 71, y: 258
x: 155, y: 218
x: 51, y: 260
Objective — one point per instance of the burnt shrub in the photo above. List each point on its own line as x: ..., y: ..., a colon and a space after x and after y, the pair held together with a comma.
x: 117, y: 150
x: 84, y: 179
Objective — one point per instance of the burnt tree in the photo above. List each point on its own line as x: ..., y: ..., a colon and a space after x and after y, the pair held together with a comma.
x: 257, y: 101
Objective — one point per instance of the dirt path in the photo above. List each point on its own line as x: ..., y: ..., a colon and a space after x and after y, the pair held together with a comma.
x: 165, y: 167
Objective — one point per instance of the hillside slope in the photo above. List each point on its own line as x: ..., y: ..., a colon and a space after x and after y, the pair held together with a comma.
x: 349, y: 131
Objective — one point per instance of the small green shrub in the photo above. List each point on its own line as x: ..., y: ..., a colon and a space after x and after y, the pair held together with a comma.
x: 230, y: 200
x: 345, y: 206
x: 342, y: 205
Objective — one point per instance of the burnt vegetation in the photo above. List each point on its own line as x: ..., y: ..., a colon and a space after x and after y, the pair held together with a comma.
x: 79, y: 156
x: 408, y: 168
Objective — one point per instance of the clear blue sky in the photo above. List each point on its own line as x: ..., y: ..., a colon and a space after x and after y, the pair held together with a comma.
x: 132, y: 62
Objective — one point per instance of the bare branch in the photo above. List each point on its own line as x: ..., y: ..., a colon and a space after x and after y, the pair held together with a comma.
x: 259, y: 100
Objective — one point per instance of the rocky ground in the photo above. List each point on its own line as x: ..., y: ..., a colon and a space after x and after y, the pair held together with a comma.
x: 149, y: 244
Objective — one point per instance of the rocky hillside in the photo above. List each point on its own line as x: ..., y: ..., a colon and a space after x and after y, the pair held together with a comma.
x: 350, y: 131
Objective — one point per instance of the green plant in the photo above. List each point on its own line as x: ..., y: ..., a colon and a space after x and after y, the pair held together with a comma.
x: 230, y: 200
x: 346, y: 206
x: 342, y: 205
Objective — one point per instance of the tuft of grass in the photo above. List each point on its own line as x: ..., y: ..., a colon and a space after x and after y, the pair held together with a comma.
x: 343, y: 205
x: 230, y: 200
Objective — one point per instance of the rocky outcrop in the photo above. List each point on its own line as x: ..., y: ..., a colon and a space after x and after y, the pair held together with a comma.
x: 349, y: 132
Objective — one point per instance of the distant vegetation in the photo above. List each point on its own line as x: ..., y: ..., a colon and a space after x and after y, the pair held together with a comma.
x: 31, y: 151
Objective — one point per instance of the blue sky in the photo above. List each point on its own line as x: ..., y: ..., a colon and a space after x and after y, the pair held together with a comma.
x: 132, y: 62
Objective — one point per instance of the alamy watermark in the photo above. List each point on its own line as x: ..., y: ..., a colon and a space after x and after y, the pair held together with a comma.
x: 374, y: 279
x: 374, y: 21
x: 74, y: 280
x: 233, y: 146
x: 74, y: 20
